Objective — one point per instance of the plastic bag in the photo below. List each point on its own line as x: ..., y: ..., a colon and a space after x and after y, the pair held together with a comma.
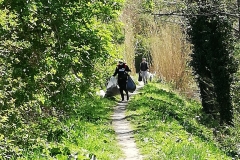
x: 112, y: 88
x: 139, y: 76
x: 112, y: 91
x: 112, y: 82
x: 131, y: 86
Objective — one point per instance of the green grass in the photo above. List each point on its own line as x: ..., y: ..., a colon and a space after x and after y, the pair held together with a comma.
x: 87, y: 131
x: 169, y: 127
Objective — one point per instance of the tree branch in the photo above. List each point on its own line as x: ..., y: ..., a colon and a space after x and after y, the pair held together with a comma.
x: 203, y: 14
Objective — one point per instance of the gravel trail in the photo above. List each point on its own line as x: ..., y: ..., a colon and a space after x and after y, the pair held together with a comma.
x: 124, y: 132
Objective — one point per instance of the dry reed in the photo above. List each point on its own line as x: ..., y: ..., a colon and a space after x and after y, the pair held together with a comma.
x: 168, y: 47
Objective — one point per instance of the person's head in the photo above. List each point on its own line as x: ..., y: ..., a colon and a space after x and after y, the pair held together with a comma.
x: 120, y: 62
x: 143, y: 59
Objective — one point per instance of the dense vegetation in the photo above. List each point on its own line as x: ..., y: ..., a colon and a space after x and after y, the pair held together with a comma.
x: 170, y: 126
x: 55, y: 54
x: 212, y: 30
x: 51, y: 58
x: 212, y: 60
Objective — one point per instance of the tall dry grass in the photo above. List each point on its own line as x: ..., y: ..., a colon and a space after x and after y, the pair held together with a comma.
x: 167, y: 44
x: 129, y: 18
x: 170, y: 53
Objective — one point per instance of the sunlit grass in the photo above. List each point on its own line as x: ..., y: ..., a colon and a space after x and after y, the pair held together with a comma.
x: 85, y: 132
x: 167, y: 126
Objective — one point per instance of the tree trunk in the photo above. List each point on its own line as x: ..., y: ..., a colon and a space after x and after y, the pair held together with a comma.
x: 238, y: 4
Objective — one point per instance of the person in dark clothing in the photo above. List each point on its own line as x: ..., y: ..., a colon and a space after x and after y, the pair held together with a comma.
x: 122, y: 70
x: 144, y: 70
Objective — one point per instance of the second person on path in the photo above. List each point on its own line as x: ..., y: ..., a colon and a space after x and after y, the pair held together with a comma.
x: 144, y: 70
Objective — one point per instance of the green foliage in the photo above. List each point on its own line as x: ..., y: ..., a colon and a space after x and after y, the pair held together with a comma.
x: 169, y: 126
x: 236, y: 85
x: 50, y: 55
x: 142, y: 50
x: 82, y: 133
x: 148, y: 6
x: 212, y: 59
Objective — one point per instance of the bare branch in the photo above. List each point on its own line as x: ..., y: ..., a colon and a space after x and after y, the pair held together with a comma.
x: 204, y: 14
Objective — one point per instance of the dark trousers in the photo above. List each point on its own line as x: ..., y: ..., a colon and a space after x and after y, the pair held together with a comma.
x: 122, y: 83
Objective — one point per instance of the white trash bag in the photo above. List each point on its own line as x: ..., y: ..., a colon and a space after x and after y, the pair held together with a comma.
x: 112, y: 88
x: 112, y: 82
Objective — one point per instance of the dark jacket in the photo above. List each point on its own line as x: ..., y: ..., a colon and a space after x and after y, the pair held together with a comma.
x: 144, y: 66
x: 121, y: 71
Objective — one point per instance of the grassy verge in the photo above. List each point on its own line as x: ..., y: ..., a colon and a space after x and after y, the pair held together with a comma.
x: 85, y: 132
x: 167, y: 126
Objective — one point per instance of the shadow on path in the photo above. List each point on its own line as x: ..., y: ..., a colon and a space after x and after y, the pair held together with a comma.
x: 124, y: 131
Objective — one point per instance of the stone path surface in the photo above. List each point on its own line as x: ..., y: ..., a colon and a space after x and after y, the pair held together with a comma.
x: 124, y: 132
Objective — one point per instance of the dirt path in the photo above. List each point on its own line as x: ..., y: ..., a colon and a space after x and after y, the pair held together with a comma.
x: 124, y: 131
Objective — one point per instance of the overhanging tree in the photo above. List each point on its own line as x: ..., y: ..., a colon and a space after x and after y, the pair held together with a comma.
x: 44, y: 43
x: 46, y: 40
